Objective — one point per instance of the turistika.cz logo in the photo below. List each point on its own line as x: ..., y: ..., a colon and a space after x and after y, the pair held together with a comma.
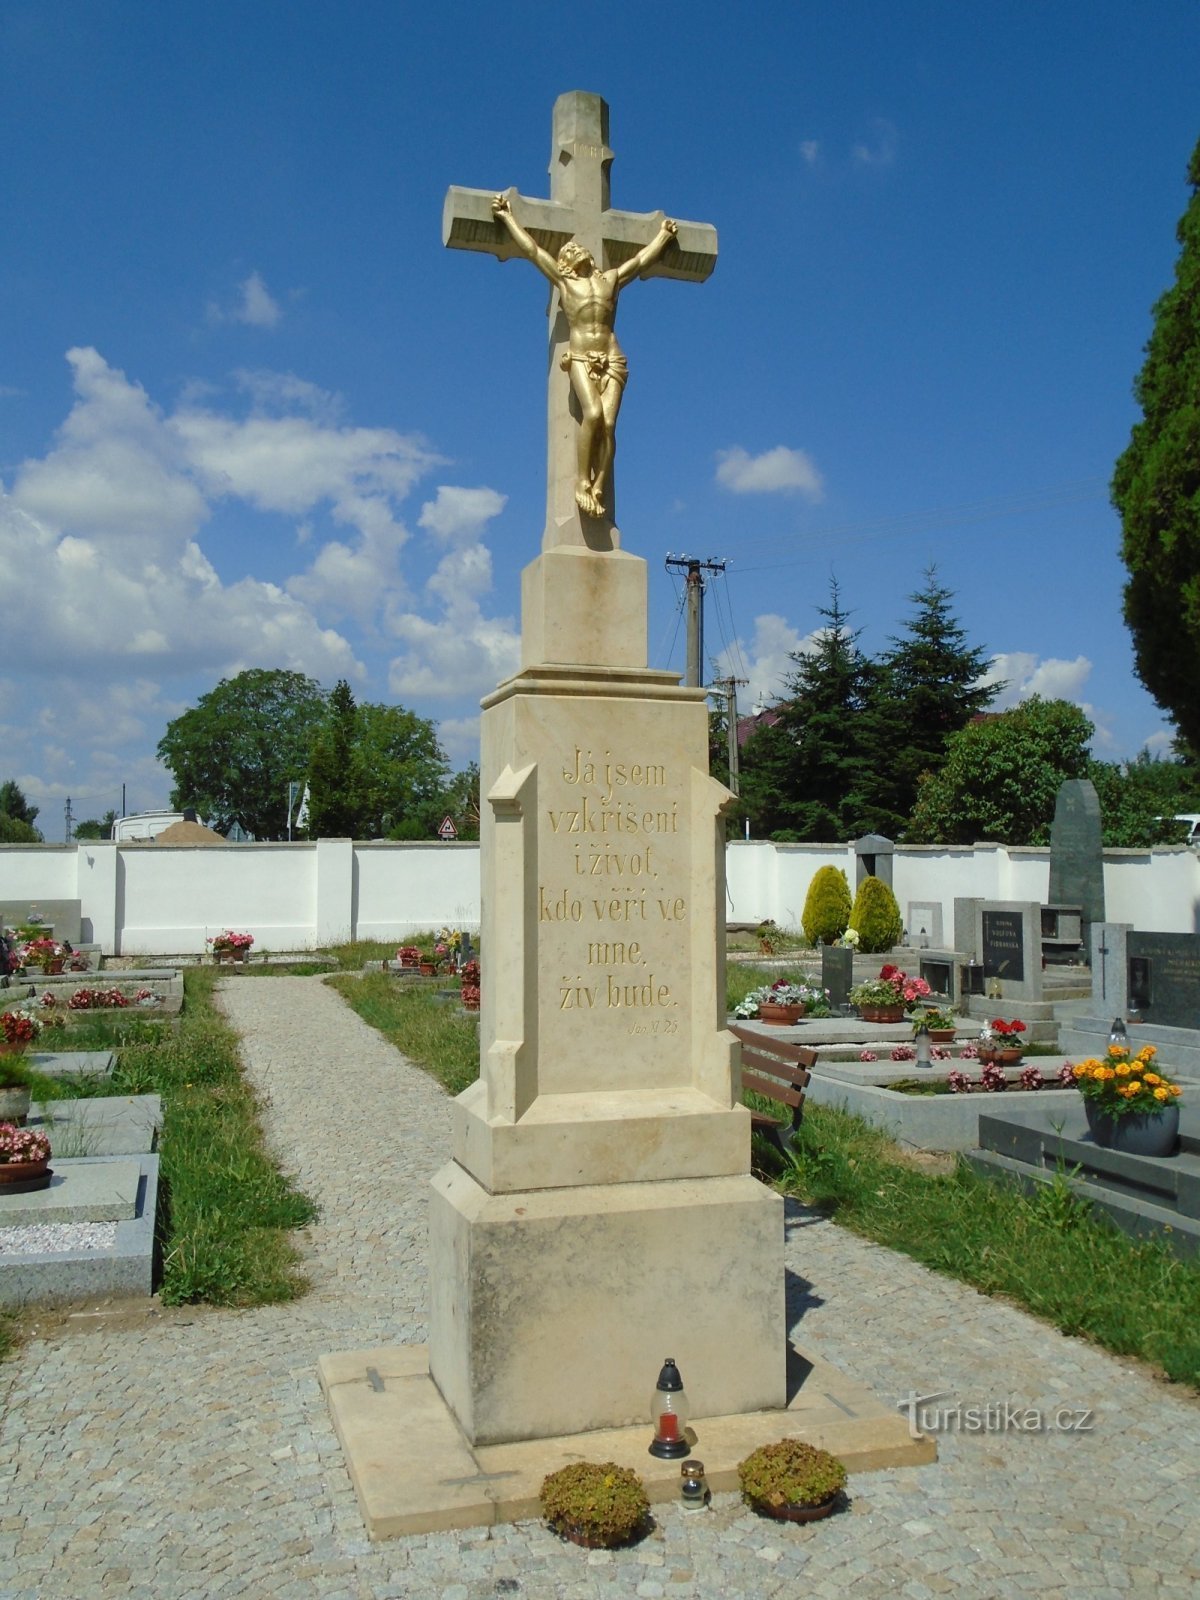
x: 993, y: 1416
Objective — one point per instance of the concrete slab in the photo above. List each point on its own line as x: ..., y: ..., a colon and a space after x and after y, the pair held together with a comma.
x: 69, y: 1063
x: 79, y: 1191
x: 414, y: 1472
x: 116, y: 1125
x: 125, y: 1267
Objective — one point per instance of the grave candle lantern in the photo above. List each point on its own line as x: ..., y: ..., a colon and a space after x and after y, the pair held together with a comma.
x: 924, y: 1050
x: 1117, y: 1034
x: 669, y: 1412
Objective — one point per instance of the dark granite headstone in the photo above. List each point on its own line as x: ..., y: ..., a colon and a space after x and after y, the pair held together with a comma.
x: 1164, y: 978
x: 1077, y: 854
x: 1003, y: 945
x: 873, y: 855
x: 837, y: 973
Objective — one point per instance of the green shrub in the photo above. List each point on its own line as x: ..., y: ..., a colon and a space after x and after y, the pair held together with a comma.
x: 826, y: 906
x: 876, y: 916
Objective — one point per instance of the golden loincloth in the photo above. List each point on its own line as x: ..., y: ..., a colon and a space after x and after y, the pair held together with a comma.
x: 600, y: 368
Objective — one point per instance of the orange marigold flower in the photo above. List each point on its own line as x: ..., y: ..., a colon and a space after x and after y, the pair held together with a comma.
x: 1118, y: 1051
x: 1152, y: 1078
x: 1161, y: 1094
x: 1122, y: 1069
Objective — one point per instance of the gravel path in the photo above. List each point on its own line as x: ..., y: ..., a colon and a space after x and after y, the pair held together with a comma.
x: 169, y: 1454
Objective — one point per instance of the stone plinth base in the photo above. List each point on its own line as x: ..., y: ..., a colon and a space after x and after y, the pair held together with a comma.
x: 551, y: 1311
x: 581, y: 607
x: 413, y: 1471
x: 630, y: 1136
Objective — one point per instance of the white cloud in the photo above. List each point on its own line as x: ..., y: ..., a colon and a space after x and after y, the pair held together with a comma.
x: 1025, y: 674
x: 255, y: 305
x: 461, y: 513
x: 880, y: 150
x: 810, y: 150
x: 282, y: 391
x: 766, y: 662
x: 775, y: 471
x: 1161, y: 743
x: 465, y: 653
x: 459, y: 738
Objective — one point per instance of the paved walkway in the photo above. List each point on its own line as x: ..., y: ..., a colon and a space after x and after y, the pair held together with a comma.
x: 189, y: 1453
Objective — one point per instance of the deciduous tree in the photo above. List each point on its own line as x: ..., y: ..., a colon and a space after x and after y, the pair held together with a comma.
x: 1002, y: 775
x: 233, y: 754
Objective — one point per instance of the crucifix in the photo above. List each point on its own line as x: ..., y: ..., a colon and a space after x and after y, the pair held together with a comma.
x: 588, y: 251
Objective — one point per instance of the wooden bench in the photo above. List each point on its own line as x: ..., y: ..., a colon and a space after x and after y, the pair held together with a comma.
x: 780, y: 1071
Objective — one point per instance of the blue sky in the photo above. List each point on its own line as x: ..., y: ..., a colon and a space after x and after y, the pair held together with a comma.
x: 253, y: 414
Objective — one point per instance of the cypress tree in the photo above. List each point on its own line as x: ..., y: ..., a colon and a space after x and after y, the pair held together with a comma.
x: 1156, y: 490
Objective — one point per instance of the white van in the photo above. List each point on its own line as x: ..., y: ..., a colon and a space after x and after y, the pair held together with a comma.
x: 1192, y: 819
x: 145, y: 824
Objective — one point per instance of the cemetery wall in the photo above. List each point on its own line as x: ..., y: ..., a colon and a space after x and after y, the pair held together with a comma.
x: 152, y: 899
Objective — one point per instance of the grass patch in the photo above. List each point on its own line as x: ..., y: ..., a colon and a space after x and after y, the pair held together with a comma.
x: 1049, y: 1251
x: 431, y: 1032
x: 227, y: 1207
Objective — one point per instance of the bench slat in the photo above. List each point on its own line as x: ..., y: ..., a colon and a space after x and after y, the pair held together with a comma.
x: 786, y: 1094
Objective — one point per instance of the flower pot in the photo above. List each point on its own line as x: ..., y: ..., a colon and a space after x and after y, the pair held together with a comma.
x: 797, y: 1513
x: 15, y: 1101
x: 779, y: 1016
x: 1002, y: 1057
x: 942, y: 1035
x: 881, y: 1013
x: 1137, y: 1134
x: 55, y: 964
x: 23, y: 1171
x: 427, y: 969
x: 16, y: 1048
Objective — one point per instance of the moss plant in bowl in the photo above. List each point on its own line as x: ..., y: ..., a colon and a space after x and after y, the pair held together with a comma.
x: 595, y: 1504
x: 791, y: 1480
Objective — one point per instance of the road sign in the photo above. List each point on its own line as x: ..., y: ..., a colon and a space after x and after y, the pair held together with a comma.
x: 447, y: 830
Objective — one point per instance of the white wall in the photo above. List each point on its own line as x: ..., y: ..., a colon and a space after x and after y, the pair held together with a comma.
x: 154, y: 899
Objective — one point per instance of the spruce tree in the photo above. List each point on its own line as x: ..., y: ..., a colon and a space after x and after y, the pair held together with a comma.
x: 929, y: 688
x: 334, y: 801
x: 812, y: 755
x: 1156, y: 490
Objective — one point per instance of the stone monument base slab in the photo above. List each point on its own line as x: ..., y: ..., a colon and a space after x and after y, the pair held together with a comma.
x: 629, y: 1136
x: 584, y: 608
x: 413, y: 1472
x: 553, y: 1309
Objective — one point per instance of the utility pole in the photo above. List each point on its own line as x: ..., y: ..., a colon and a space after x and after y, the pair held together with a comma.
x: 695, y: 610
x: 729, y: 688
x: 69, y: 821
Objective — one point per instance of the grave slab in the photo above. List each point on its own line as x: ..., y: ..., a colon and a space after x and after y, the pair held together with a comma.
x: 79, y: 1191
x: 127, y: 1266
x: 414, y: 1472
x: 116, y: 1125
x: 69, y: 1063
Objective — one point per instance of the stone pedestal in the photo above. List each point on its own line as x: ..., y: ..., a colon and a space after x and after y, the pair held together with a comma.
x: 598, y: 1214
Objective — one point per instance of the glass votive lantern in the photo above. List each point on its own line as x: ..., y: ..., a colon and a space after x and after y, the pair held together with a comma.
x: 693, y: 1489
x: 669, y: 1412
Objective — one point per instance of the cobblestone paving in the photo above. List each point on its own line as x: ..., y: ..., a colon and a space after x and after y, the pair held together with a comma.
x: 190, y: 1453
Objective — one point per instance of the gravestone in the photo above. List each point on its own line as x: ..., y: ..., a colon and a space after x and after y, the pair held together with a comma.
x: 599, y: 1209
x: 924, y: 924
x: 837, y: 973
x: 1164, y: 978
x: 1077, y: 854
x: 1009, y: 941
x: 1110, y: 967
x: 873, y: 858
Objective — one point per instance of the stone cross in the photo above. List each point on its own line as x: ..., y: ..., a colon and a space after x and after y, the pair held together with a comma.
x: 578, y: 209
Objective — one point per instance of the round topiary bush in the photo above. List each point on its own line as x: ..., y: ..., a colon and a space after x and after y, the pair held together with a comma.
x: 876, y: 916
x: 826, y: 906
